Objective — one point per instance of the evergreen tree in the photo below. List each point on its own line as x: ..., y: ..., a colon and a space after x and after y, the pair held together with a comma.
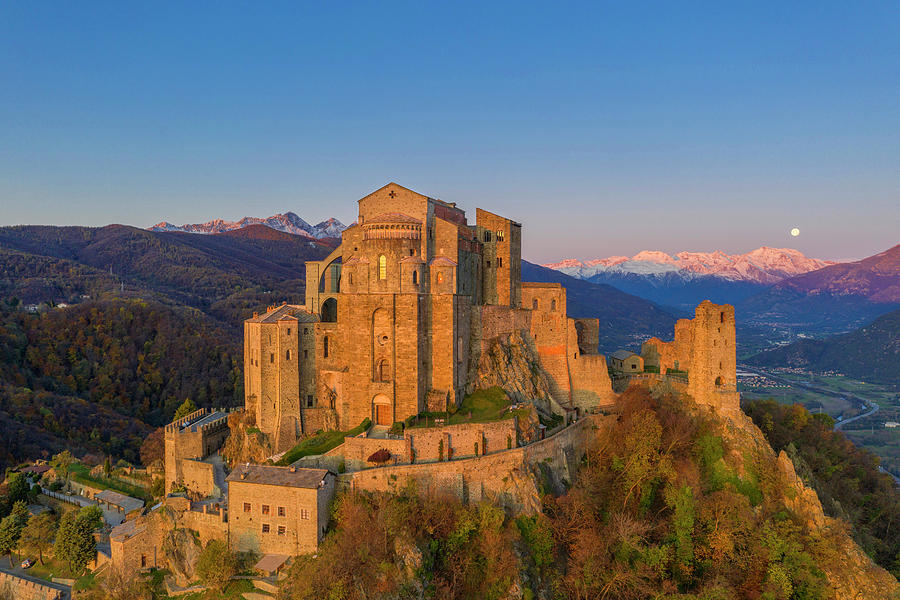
x: 10, y: 532
x: 75, y: 538
x: 186, y: 408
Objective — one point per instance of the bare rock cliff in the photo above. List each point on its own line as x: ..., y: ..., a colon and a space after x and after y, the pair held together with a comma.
x: 246, y: 443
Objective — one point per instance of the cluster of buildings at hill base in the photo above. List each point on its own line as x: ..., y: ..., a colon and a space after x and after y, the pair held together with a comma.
x: 397, y: 322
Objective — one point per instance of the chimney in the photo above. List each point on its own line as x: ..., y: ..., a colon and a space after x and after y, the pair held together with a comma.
x: 293, y: 469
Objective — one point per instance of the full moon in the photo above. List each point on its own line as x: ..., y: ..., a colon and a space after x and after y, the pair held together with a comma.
x: 795, y: 232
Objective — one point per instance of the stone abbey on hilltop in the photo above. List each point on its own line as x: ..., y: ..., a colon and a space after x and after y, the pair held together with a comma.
x: 397, y: 318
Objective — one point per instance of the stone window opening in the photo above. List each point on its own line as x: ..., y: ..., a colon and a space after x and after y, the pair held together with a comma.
x: 534, y: 304
x: 304, y: 513
x: 271, y: 357
x: 281, y: 511
x: 306, y: 354
x: 281, y: 530
x: 722, y: 317
x: 718, y: 381
x: 289, y: 331
x: 309, y: 404
x: 499, y: 235
x: 382, y: 267
x: 487, y: 236
x: 246, y: 507
x: 553, y: 304
x: 325, y: 347
x: 265, y: 509
x: 143, y: 561
x: 489, y: 264
x: 351, y: 278
x: 415, y: 278
x: 499, y: 262
x: 412, y: 251
x: 440, y: 276
x: 265, y: 528
x: 382, y: 371
x: 287, y: 355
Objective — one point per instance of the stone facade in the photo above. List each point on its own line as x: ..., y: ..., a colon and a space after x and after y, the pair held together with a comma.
x: 704, y: 347
x: 278, y: 510
x: 187, y: 442
x: 393, y: 322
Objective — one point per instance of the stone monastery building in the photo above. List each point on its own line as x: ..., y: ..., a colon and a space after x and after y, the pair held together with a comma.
x: 396, y: 319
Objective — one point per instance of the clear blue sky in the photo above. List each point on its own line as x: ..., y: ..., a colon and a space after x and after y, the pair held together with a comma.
x: 605, y: 128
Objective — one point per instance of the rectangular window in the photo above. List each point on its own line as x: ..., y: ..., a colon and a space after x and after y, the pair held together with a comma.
x: 499, y: 235
x: 246, y: 507
x: 306, y: 331
x: 265, y: 509
x: 499, y: 262
x: 265, y: 528
x: 309, y: 400
x: 287, y: 355
x: 306, y: 354
x: 271, y: 357
x: 304, y: 514
x: 487, y: 236
x: 281, y: 530
x: 281, y: 511
x: 289, y: 331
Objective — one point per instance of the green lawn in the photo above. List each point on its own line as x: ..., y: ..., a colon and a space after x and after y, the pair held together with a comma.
x: 80, y: 473
x: 479, y: 407
x: 321, y: 443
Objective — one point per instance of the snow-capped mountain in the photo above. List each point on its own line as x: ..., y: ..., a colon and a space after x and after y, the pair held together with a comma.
x: 684, y: 279
x: 288, y: 222
x: 763, y: 265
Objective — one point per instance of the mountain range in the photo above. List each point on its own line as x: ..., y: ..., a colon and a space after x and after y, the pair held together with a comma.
x: 764, y: 265
x: 287, y: 222
x: 683, y: 280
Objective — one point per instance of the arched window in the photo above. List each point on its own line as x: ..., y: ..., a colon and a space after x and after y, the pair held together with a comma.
x: 325, y: 346
x: 534, y: 304
x: 382, y: 371
x: 440, y: 278
x: 382, y: 267
x: 718, y: 381
x: 722, y: 317
x: 415, y: 278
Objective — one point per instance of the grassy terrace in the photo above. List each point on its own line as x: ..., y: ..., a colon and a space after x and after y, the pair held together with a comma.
x: 482, y: 406
x: 80, y: 473
x: 321, y: 443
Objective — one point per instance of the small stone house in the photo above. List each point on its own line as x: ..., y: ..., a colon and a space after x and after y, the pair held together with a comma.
x: 278, y: 510
x: 626, y: 362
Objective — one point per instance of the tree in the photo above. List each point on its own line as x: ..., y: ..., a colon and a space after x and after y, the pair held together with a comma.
x: 120, y: 584
x: 62, y: 462
x: 10, y: 532
x: 37, y: 536
x: 75, y: 538
x: 91, y: 516
x: 216, y: 565
x: 17, y: 488
x: 186, y: 408
x: 153, y: 447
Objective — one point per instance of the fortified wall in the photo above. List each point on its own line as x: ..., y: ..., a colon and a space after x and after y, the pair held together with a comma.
x: 26, y: 589
x: 506, y: 478
x: 188, y: 441
x: 704, y: 350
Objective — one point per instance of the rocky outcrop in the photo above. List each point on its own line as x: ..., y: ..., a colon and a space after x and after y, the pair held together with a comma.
x: 181, y: 550
x: 245, y: 443
x: 512, y: 363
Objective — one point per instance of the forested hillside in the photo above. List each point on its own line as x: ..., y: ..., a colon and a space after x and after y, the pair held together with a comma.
x: 99, y: 375
x: 671, y: 503
x: 845, y: 477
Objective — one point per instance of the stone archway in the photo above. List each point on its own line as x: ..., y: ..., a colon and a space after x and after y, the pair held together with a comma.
x: 381, y: 410
x: 329, y: 311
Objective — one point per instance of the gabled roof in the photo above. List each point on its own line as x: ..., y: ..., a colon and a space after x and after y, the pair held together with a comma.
x: 442, y: 261
x: 296, y: 311
x: 397, y: 185
x: 412, y: 259
x: 126, y: 503
x: 623, y: 354
x: 282, y: 476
